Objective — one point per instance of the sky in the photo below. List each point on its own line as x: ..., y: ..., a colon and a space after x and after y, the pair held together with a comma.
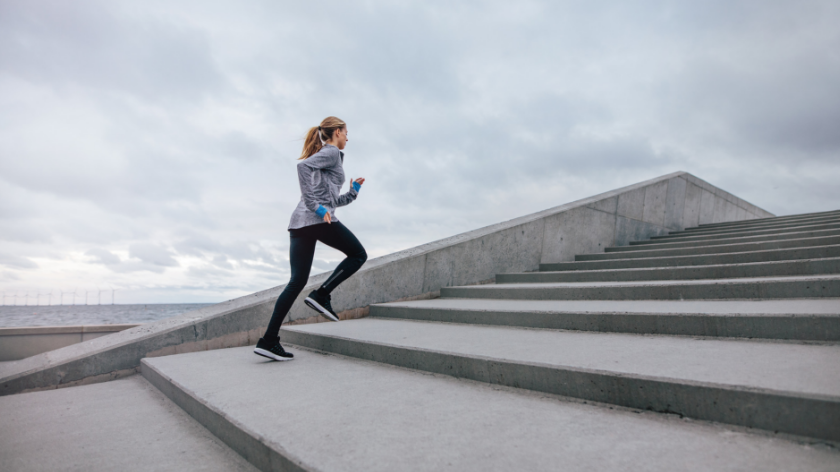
x: 148, y: 148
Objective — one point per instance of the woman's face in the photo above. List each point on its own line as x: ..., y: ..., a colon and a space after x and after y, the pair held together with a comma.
x: 340, y: 137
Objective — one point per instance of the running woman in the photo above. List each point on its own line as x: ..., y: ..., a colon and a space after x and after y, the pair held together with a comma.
x: 321, y: 177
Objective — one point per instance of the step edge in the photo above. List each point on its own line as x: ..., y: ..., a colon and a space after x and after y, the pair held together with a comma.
x: 737, y: 234
x: 723, y: 241
x: 781, y: 241
x: 491, y: 373
x: 721, y: 281
x: 625, y: 269
x: 726, y: 254
x: 628, y: 322
x: 778, y: 225
x: 270, y: 456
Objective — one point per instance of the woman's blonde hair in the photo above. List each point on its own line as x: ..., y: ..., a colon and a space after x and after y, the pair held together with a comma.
x: 315, y: 137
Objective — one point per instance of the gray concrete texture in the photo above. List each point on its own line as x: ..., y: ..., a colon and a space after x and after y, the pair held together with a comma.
x: 804, y: 320
x: 711, y: 271
x: 124, y: 425
x: 342, y: 414
x: 784, y: 233
x: 716, y: 289
x: 646, y: 251
x: 769, y: 255
x: 773, y: 219
x: 792, y: 388
x: 697, y: 230
x: 728, y: 240
x: 20, y: 343
x: 656, y: 206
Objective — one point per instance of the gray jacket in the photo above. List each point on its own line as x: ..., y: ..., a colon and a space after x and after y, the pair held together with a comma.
x: 321, y: 177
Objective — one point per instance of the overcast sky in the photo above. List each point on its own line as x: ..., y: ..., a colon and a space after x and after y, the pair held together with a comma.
x: 149, y: 146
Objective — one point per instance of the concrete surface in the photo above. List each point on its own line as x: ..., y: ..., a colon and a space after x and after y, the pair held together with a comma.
x: 124, y: 425
x: 332, y: 413
x: 656, y: 206
x: 769, y: 255
x: 729, y: 238
x: 793, y: 388
x: 772, y: 219
x: 811, y: 319
x: 755, y: 288
x: 638, y: 252
x: 749, y: 231
x: 697, y: 230
x: 801, y: 368
x: 22, y: 342
x: 711, y: 271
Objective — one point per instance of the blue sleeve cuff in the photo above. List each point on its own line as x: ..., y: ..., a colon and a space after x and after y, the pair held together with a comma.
x: 321, y: 211
x: 357, y: 186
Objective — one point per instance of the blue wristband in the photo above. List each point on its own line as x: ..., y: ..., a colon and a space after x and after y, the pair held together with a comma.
x: 321, y: 211
x: 357, y: 186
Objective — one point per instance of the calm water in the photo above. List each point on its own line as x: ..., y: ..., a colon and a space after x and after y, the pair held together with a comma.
x: 68, y: 315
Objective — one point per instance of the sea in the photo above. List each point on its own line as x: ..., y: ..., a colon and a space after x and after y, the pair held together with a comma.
x: 12, y: 316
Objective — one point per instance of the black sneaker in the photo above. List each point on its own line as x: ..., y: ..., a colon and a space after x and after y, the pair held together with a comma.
x: 321, y: 304
x: 273, y: 351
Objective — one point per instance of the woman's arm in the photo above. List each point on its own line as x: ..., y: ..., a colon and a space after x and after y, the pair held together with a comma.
x: 347, y: 198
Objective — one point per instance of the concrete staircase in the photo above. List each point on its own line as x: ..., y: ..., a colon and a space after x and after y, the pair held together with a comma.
x: 713, y: 348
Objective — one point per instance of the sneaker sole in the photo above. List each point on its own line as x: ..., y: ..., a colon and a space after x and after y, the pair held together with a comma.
x: 271, y: 355
x: 321, y: 310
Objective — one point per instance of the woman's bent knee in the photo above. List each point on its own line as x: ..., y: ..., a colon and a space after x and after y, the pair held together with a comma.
x: 362, y: 257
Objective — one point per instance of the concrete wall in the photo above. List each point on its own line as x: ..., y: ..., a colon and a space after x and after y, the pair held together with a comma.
x: 19, y: 343
x: 670, y: 202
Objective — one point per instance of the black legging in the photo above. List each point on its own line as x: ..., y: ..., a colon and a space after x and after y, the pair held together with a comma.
x: 301, y: 252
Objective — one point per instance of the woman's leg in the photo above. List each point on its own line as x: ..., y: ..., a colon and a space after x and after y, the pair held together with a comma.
x: 301, y: 253
x: 337, y: 236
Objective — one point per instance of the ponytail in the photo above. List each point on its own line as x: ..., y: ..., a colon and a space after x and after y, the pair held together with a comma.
x: 317, y: 136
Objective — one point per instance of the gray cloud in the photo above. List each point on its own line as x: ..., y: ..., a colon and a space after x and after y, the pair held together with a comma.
x: 11, y: 260
x: 169, y: 131
x: 153, y: 254
x: 102, y: 256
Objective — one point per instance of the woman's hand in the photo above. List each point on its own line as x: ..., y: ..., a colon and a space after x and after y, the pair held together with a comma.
x: 328, y: 218
x: 357, y: 184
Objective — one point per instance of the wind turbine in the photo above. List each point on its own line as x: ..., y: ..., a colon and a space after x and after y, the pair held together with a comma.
x: 99, y: 296
x: 113, y: 290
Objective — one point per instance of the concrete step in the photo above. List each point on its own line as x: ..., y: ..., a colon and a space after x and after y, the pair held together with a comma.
x: 768, y: 225
x: 807, y: 320
x: 787, y: 387
x: 333, y: 413
x: 770, y: 255
x: 719, y: 271
x: 760, y: 288
x: 803, y: 216
x: 723, y: 239
x: 655, y: 251
x: 123, y: 425
x: 741, y: 233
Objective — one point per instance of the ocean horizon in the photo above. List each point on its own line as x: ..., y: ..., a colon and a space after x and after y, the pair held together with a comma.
x: 13, y: 316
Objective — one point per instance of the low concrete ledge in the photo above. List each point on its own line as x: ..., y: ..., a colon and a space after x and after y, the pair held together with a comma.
x: 20, y: 343
x: 653, y: 207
